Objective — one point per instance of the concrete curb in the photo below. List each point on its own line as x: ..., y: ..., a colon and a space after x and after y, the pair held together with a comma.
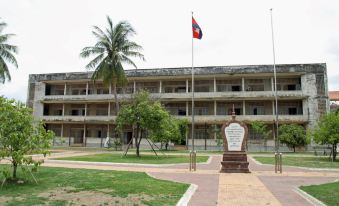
x: 306, y: 168
x: 309, y: 198
x: 121, y: 164
x: 187, y: 195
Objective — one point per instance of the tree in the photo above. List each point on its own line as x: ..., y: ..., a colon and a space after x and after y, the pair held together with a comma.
x: 327, y: 132
x: 261, y: 129
x: 293, y: 135
x: 7, y: 52
x: 143, y: 114
x: 112, y: 49
x: 21, y: 136
x: 170, y: 130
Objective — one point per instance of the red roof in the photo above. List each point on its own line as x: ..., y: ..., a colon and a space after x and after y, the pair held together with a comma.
x: 334, y: 95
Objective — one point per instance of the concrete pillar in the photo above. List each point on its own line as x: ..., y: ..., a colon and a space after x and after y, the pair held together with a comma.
x: 65, y: 89
x: 85, y: 110
x: 63, y: 109
x: 186, y: 85
x: 62, y: 130
x: 215, y: 85
x: 160, y: 88
x: 134, y: 87
x: 86, y: 88
x: 186, y: 108
x: 84, y: 137
x: 243, y: 107
x: 108, y: 130
x: 109, y: 109
x: 110, y: 89
x: 243, y: 83
x: 215, y: 107
x: 273, y: 108
x: 272, y: 82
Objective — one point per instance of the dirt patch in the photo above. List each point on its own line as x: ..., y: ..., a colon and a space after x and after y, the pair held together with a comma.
x: 101, y: 197
x: 5, y: 199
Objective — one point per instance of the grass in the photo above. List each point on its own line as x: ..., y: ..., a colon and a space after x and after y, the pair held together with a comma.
x: 116, y: 184
x: 312, y: 162
x: 327, y: 193
x: 143, y: 159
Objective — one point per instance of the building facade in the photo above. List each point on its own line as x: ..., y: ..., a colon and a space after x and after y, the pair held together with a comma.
x: 82, y: 113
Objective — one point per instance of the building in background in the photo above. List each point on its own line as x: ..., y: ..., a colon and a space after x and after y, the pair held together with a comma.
x: 334, y: 100
x: 82, y: 113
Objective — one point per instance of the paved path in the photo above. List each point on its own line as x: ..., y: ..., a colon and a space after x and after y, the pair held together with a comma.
x: 260, y: 187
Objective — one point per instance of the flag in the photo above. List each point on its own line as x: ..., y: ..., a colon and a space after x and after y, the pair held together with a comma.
x: 197, y: 33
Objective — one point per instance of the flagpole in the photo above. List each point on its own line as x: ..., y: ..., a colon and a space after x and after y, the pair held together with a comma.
x: 275, y: 88
x: 192, y: 88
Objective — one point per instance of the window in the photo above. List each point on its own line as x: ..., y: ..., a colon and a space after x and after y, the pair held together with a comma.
x: 236, y: 88
x: 292, y: 111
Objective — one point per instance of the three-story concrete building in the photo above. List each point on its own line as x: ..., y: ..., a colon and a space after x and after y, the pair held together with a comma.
x: 81, y: 113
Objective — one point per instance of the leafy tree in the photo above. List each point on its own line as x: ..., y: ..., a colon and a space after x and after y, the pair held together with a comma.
x: 143, y: 114
x: 293, y: 135
x: 170, y: 130
x: 327, y: 132
x: 6, y: 54
x: 261, y: 129
x: 112, y: 49
x: 21, y: 136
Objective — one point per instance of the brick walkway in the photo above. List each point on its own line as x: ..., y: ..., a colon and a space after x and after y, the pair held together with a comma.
x: 260, y: 187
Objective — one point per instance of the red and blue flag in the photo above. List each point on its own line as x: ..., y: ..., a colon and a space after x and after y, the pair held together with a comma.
x: 197, y: 33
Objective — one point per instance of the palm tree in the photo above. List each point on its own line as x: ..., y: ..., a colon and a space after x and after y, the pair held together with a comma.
x: 112, y: 49
x: 6, y: 54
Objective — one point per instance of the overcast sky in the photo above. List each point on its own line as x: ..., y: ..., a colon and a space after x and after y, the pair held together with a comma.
x: 51, y: 33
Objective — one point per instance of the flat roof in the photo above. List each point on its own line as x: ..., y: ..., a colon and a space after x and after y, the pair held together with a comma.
x: 184, y: 71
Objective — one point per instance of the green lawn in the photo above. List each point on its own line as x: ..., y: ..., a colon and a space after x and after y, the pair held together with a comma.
x: 327, y: 193
x: 313, y: 162
x: 132, y: 158
x: 61, y: 186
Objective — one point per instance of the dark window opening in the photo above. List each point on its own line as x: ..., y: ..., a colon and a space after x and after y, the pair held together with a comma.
x: 255, y: 111
x: 291, y: 87
x: 48, y: 90
x: 46, y: 109
x: 75, y: 112
x: 292, y: 111
x: 236, y: 88
x: 181, y: 112
x: 99, y: 133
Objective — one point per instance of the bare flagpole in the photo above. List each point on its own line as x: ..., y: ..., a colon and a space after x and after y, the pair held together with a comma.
x: 275, y: 88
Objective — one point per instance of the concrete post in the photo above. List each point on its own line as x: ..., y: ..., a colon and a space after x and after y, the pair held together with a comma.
x: 86, y: 88
x: 63, y: 109
x: 273, y: 108
x: 215, y: 108
x: 272, y: 83
x: 134, y: 87
x: 160, y: 87
x: 109, y: 109
x: 84, y: 137
x: 187, y: 87
x: 243, y: 107
x: 62, y: 130
x: 85, y: 110
x: 243, y: 83
x: 215, y: 84
x: 186, y: 108
x: 110, y: 89
x: 65, y: 89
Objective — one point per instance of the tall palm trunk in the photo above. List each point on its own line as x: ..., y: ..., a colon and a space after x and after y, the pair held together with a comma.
x: 116, y: 98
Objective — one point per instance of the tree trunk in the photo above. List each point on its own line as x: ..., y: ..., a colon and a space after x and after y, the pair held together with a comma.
x: 15, y: 166
x: 294, y: 149
x: 138, y: 145
x: 166, y: 146
x: 334, y: 152
x: 136, y: 141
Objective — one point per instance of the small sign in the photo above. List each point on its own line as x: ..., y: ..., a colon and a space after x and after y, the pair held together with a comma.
x: 235, y: 134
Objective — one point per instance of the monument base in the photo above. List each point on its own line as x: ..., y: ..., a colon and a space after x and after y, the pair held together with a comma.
x: 234, y: 162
